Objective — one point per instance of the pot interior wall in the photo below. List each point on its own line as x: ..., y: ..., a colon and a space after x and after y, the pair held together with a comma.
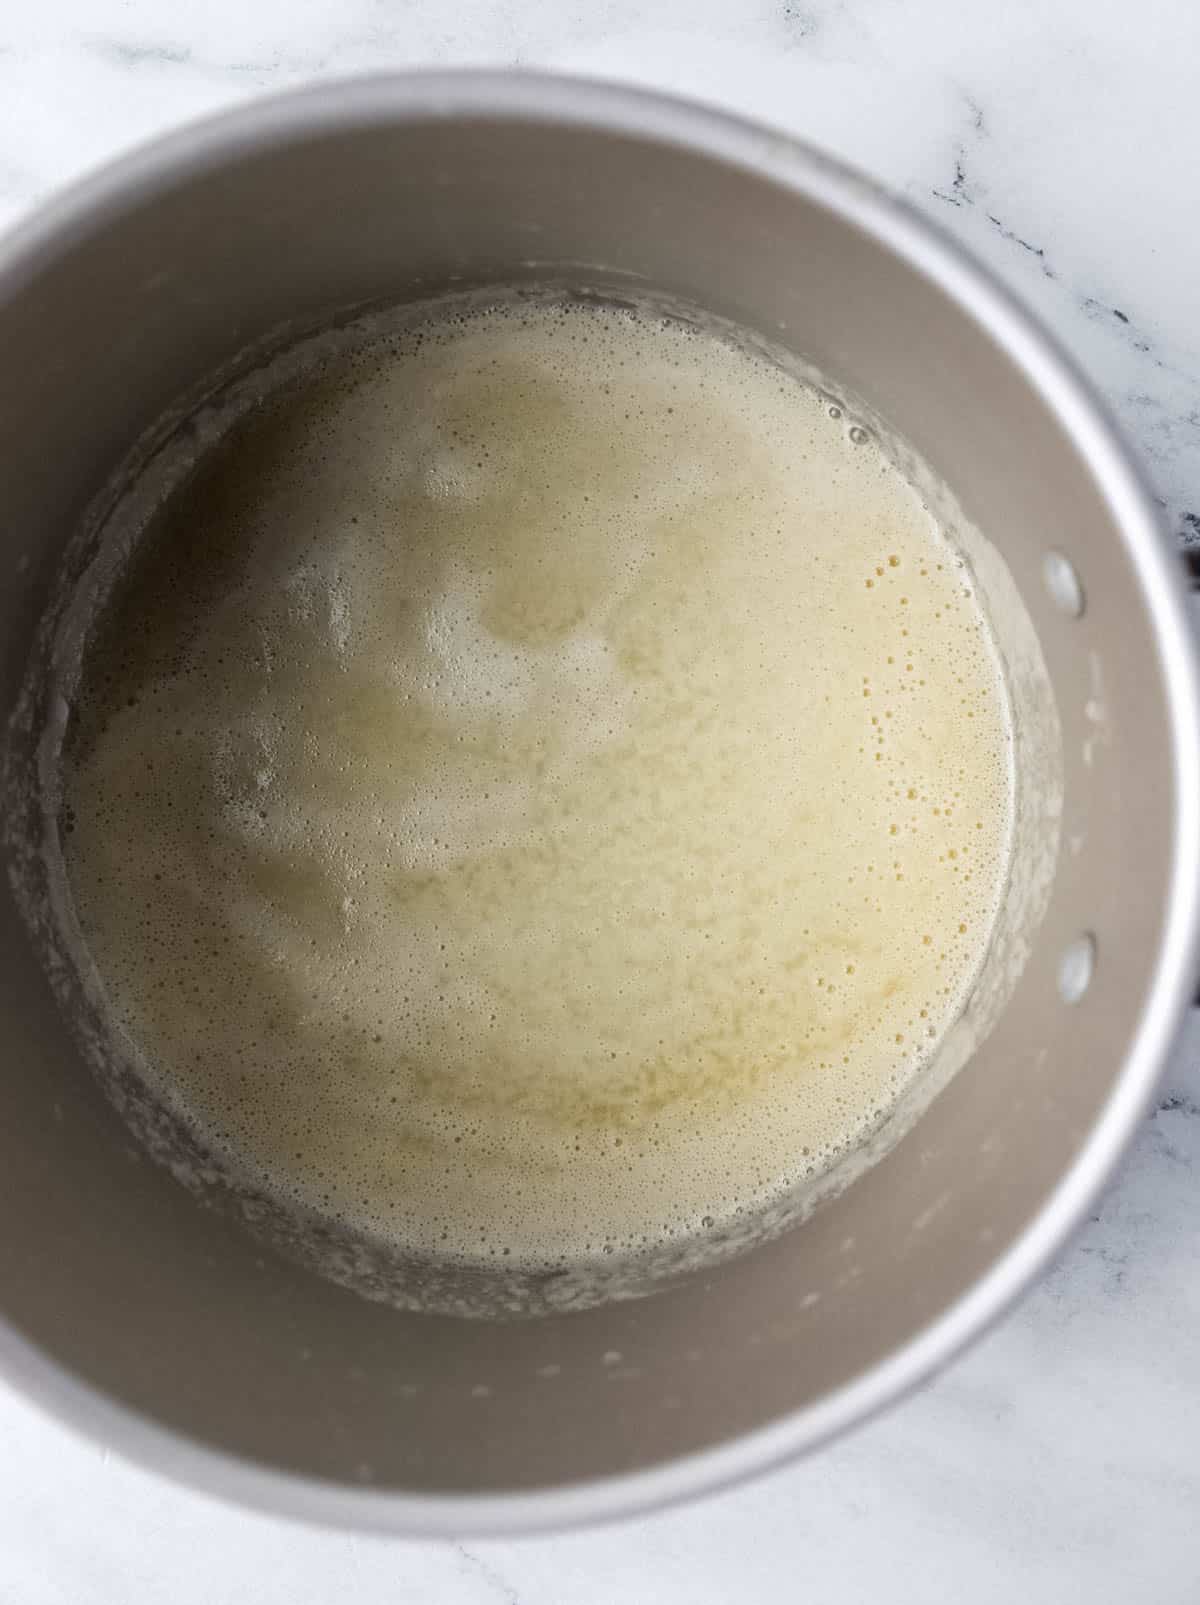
x: 107, y: 1264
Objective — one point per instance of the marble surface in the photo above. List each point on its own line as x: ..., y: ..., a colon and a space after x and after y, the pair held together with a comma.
x: 1060, y: 1461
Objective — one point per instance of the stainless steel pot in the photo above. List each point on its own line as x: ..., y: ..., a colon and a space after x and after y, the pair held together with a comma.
x: 166, y: 1329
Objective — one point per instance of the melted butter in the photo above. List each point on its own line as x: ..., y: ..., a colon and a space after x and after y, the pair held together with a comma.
x: 542, y: 787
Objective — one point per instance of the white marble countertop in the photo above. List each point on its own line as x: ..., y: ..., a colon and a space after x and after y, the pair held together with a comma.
x: 1060, y: 1461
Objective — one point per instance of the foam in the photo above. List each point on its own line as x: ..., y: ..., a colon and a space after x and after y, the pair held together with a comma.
x: 542, y: 788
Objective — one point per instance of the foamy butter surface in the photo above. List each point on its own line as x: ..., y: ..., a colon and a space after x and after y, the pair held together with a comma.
x: 541, y: 788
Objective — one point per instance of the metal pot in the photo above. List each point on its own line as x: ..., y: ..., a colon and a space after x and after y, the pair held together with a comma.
x: 164, y: 1327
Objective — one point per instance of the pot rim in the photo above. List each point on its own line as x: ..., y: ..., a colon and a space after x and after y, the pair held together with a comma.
x: 397, y: 97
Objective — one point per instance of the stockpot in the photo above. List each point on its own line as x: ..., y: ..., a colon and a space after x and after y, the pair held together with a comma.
x: 165, y: 1327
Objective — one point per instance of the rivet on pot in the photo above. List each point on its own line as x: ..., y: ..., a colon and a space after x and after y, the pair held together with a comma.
x: 1063, y: 584
x: 1075, y: 968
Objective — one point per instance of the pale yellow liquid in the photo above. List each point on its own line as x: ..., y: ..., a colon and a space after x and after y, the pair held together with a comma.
x: 542, y: 789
